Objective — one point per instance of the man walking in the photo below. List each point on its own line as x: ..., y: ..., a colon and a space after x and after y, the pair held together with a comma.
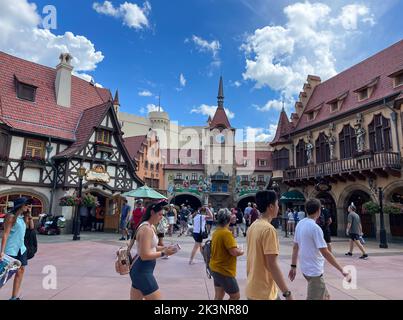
x: 172, y: 217
x: 324, y: 221
x: 254, y: 214
x: 124, y: 220
x: 247, y: 212
x: 263, y: 272
x: 354, y: 231
x: 183, y: 219
x: 311, y: 250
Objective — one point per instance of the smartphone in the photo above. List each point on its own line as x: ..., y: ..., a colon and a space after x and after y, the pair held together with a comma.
x: 177, y: 247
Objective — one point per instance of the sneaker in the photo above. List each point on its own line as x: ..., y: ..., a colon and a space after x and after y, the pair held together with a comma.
x: 364, y: 257
x: 14, y: 298
x: 349, y: 254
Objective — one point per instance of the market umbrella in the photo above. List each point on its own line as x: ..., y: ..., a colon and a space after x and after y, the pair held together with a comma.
x: 144, y: 192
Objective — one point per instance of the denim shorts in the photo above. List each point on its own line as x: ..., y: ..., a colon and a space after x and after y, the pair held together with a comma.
x: 23, y: 258
x: 142, y: 276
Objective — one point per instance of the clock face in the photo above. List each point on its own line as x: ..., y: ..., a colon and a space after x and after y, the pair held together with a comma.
x: 220, y: 138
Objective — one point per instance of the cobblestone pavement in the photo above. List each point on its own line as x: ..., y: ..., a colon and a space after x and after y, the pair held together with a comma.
x: 85, y: 270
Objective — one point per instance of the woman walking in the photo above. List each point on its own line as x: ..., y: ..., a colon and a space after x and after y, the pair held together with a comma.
x: 224, y: 252
x: 144, y: 285
x: 12, y: 243
x: 291, y: 222
x: 199, y: 227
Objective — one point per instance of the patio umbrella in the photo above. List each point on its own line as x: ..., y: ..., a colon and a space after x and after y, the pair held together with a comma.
x: 144, y: 192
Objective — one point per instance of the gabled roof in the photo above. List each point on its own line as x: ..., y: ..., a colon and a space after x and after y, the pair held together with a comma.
x: 90, y: 119
x: 372, y: 71
x: 284, y: 127
x: 220, y: 119
x: 133, y: 144
x: 43, y: 116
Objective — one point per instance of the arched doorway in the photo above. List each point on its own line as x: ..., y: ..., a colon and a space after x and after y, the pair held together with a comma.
x: 329, y: 203
x: 359, y: 197
x: 394, y: 198
x: 243, y: 203
x: 186, y: 199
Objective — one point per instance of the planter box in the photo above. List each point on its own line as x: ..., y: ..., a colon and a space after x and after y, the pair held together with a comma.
x: 396, y: 225
x: 103, y: 148
x: 33, y: 164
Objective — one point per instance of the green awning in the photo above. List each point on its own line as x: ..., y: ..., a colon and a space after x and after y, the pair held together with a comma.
x: 292, y: 196
x: 144, y: 192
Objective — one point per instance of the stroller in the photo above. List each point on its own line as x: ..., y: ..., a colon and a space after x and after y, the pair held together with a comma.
x: 50, y: 225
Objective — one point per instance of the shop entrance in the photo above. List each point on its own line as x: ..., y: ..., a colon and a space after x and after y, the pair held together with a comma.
x: 105, y: 217
x: 329, y: 204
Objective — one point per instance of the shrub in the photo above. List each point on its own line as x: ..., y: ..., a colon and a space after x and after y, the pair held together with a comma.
x: 371, y: 207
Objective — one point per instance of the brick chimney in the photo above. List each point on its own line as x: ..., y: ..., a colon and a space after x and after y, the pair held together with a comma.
x: 63, y: 80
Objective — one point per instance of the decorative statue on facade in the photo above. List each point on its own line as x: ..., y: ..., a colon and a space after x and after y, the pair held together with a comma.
x: 360, y: 134
x: 331, y: 140
x: 309, y: 149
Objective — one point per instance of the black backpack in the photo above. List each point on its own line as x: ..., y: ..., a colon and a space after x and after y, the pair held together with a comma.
x: 206, y: 252
x: 31, y: 243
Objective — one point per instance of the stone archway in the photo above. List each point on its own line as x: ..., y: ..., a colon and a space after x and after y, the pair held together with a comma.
x: 393, y: 195
x: 327, y: 199
x: 244, y: 200
x: 188, y: 199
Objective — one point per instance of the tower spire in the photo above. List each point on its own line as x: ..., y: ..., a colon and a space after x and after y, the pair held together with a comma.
x: 220, y: 98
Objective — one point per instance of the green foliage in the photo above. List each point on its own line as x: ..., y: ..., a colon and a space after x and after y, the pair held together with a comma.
x: 371, y: 207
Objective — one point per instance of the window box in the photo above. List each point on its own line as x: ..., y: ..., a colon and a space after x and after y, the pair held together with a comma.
x: 103, y: 147
x: 33, y: 162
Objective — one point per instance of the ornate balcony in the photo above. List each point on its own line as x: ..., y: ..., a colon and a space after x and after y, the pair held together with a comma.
x: 362, y: 167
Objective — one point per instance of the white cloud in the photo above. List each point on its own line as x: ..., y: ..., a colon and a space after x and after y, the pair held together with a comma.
x: 352, y: 14
x: 132, y: 15
x: 281, y: 57
x: 261, y: 134
x: 237, y: 84
x: 182, y: 80
x: 21, y: 36
x: 145, y: 93
x: 212, y: 47
x: 150, y: 108
x: 210, y: 111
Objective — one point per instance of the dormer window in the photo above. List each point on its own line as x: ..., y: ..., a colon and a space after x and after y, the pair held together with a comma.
x: 397, y: 77
x: 334, y: 107
x: 311, y: 116
x: 366, y: 91
x: 336, y: 104
x: 26, y: 91
x: 262, y: 163
x: 103, y: 137
x: 398, y: 80
x: 362, y: 95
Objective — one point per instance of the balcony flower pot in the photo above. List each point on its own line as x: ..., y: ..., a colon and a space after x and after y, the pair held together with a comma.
x: 33, y: 162
x: 103, y: 147
x: 70, y: 201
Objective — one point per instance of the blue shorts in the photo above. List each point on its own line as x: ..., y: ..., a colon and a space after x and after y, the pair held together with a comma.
x: 23, y: 258
x: 198, y: 237
x: 142, y: 276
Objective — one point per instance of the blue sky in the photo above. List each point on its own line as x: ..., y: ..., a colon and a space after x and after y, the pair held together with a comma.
x: 263, y: 48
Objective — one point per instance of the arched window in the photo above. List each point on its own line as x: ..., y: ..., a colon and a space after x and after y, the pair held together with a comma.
x: 301, y: 154
x: 379, y: 134
x: 7, y: 199
x: 347, y: 142
x: 281, y: 159
x: 322, y: 149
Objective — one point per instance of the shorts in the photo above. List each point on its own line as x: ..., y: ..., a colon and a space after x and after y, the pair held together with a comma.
x: 326, y: 235
x: 228, y: 284
x: 171, y: 220
x: 198, y: 237
x: 354, y: 236
x: 209, y: 222
x: 316, y: 288
x: 123, y: 224
x: 142, y: 276
x: 183, y: 223
x: 23, y: 258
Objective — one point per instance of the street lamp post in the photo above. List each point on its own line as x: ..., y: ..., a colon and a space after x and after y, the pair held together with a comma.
x: 81, y: 173
x: 382, y: 233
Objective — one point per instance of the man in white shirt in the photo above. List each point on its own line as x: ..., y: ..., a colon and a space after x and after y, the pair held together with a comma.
x: 311, y: 249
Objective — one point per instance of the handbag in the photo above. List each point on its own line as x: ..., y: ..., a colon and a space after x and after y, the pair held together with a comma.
x: 203, y: 232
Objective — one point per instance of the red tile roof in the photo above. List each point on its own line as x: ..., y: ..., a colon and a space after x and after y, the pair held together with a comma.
x: 133, y: 144
x: 379, y: 65
x: 283, y: 128
x: 255, y: 156
x: 90, y: 119
x: 220, y: 119
x: 43, y: 116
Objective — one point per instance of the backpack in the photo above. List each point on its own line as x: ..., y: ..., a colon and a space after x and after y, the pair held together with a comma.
x: 206, y: 252
x: 31, y: 243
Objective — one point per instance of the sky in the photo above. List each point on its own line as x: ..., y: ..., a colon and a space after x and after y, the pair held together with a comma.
x: 178, y: 49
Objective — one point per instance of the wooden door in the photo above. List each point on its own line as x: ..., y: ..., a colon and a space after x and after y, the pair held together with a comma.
x: 112, y: 216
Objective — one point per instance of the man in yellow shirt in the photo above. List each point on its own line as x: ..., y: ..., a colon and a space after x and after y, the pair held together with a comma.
x: 224, y: 251
x: 263, y: 272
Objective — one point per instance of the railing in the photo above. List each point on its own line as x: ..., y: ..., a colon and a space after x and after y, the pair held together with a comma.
x: 380, y: 160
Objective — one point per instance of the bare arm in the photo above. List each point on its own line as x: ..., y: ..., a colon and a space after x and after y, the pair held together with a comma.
x: 272, y: 263
x: 348, y: 227
x: 8, y: 224
x: 145, y: 236
x: 293, y: 270
x: 331, y: 259
x: 236, y: 252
